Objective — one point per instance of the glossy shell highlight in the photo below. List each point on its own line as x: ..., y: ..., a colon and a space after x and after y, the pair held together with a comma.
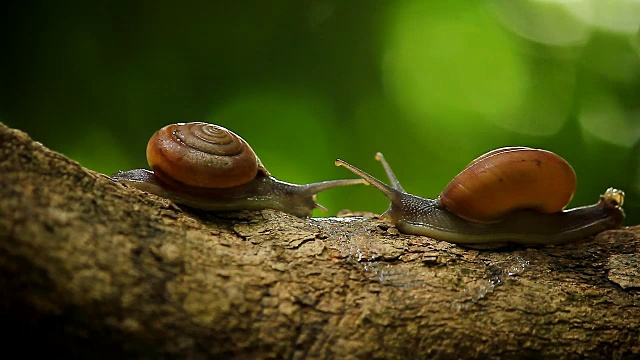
x: 202, y: 155
x: 508, y: 179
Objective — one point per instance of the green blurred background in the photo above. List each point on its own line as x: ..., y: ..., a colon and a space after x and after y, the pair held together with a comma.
x: 431, y: 84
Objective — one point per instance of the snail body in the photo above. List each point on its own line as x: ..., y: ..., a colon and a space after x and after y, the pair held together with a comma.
x: 509, y: 195
x: 208, y: 167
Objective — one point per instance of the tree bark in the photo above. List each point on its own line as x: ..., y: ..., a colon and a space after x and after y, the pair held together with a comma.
x: 91, y: 268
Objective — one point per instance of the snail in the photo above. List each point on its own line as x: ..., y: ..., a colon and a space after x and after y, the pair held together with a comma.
x: 208, y: 167
x: 508, y: 195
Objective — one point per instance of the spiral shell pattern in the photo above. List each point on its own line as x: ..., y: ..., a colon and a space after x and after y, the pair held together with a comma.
x: 202, y: 155
x: 508, y: 179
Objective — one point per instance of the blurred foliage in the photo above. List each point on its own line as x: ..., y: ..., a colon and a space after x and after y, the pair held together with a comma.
x: 430, y: 84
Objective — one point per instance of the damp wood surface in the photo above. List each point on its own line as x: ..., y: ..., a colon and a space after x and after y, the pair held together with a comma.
x: 93, y: 269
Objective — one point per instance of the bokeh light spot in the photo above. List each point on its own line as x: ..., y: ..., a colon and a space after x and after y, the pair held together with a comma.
x: 619, y: 16
x: 549, y: 22
x: 452, y: 59
x: 603, y: 117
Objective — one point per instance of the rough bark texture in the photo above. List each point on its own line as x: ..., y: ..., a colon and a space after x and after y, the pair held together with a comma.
x: 94, y: 269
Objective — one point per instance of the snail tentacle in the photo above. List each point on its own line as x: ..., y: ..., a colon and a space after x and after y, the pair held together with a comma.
x: 391, y: 193
x: 390, y: 174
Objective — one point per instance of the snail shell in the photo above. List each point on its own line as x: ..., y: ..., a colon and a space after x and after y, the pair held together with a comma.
x: 202, y: 155
x: 507, y: 179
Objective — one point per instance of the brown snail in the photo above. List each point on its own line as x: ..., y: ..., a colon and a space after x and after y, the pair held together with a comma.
x: 512, y: 194
x: 208, y: 167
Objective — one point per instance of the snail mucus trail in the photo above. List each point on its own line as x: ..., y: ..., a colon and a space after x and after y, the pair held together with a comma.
x: 509, y: 195
x: 208, y: 167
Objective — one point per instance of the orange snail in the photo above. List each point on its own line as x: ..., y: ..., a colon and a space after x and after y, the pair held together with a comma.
x: 208, y: 167
x: 512, y: 194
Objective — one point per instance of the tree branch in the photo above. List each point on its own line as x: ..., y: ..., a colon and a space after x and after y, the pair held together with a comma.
x: 95, y: 269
